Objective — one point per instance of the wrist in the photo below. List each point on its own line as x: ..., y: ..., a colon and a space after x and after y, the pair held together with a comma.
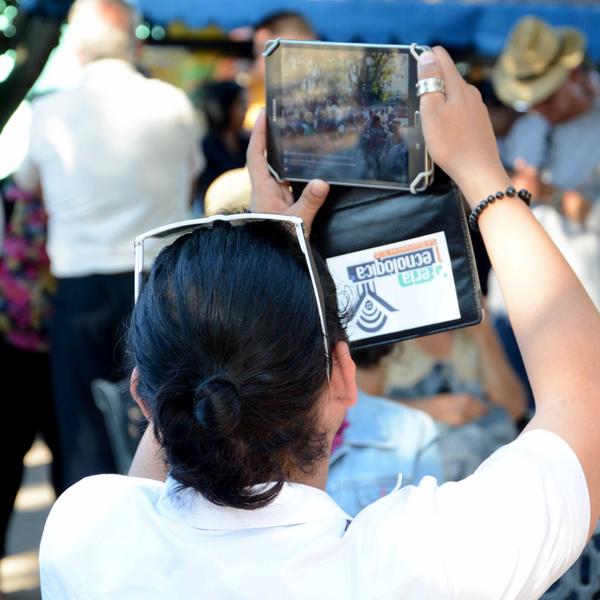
x: 481, y: 184
x: 500, y: 196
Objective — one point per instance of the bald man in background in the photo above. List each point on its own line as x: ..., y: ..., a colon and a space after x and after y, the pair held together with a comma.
x: 113, y: 157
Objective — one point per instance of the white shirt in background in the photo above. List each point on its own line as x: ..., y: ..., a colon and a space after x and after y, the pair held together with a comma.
x: 573, y: 162
x: 115, y: 156
x: 506, y: 532
x: 579, y: 244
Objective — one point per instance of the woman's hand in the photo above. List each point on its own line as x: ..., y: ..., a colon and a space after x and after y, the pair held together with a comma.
x: 458, y: 131
x: 270, y: 196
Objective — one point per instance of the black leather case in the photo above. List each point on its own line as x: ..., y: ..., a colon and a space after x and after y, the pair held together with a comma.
x: 358, y: 218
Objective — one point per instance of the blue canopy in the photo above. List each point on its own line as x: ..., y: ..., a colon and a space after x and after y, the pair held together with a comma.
x: 481, y: 25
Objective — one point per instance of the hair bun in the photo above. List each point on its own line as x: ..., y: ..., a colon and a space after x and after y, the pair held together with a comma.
x: 217, y: 405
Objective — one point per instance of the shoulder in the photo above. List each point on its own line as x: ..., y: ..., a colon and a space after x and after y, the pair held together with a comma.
x: 162, y: 87
x: 174, y: 105
x: 536, y: 457
x: 105, y: 491
x: 514, y: 525
x: 526, y: 131
x: 174, y: 95
x: 588, y: 120
x: 531, y: 121
x: 93, y: 503
x: 109, y: 485
x: 400, y: 529
x: 48, y: 104
x: 377, y: 407
x: 92, y: 534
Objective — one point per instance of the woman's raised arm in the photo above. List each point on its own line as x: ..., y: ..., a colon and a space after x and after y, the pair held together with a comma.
x: 555, y: 322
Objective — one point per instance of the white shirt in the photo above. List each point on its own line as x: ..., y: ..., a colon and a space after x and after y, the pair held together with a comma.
x: 579, y: 244
x: 115, y: 157
x: 508, y: 532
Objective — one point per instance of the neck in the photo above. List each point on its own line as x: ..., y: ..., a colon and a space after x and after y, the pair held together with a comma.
x: 317, y: 478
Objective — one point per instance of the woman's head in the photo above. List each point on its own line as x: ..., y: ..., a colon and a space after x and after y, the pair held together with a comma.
x: 228, y: 348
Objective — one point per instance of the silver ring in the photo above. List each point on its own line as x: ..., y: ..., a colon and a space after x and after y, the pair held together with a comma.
x: 430, y: 85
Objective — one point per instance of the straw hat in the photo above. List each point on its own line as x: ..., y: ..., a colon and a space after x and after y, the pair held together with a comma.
x: 536, y: 61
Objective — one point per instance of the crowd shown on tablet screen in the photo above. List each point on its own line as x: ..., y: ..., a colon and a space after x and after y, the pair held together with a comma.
x: 121, y: 153
x: 374, y: 138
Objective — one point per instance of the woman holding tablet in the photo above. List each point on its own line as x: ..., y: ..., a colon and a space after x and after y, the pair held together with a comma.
x: 242, y: 368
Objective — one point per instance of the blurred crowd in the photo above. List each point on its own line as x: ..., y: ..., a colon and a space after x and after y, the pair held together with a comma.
x: 121, y: 153
x: 370, y: 139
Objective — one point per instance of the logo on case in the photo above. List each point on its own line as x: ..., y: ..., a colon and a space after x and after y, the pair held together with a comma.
x: 396, y: 287
x: 371, y: 310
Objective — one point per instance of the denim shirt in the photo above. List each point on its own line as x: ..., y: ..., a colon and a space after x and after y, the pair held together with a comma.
x: 385, y: 446
x: 462, y: 447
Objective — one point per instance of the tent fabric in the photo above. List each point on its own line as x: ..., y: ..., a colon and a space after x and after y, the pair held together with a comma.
x: 481, y: 25
x: 54, y: 9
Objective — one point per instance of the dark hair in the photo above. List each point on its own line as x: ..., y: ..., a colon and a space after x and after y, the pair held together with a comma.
x: 281, y: 22
x: 216, y: 99
x: 228, y: 344
x: 367, y: 358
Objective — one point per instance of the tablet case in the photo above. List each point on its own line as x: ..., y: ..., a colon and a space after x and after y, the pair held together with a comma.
x: 273, y: 99
x: 411, y: 229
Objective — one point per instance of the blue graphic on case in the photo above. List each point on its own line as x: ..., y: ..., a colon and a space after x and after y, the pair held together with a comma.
x: 372, y: 310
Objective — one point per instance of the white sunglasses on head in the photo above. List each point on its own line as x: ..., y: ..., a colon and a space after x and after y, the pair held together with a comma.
x: 183, y: 227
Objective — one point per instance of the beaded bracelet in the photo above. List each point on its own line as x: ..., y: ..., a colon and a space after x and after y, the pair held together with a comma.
x: 510, y: 192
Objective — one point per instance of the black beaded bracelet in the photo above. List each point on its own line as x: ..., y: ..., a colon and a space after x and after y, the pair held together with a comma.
x: 510, y: 192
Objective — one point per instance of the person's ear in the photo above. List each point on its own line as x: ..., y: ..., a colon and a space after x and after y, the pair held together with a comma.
x: 343, y: 388
x: 133, y: 390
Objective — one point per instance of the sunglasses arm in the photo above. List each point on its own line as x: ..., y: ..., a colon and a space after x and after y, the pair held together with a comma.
x: 139, y: 268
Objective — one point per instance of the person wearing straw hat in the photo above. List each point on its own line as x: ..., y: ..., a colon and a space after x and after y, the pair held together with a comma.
x: 553, y: 148
x: 536, y: 63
